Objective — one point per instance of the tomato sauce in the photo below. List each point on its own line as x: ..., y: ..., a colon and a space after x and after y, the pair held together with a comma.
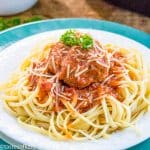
x: 79, y: 73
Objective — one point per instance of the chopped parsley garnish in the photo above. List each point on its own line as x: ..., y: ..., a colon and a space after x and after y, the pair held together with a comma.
x: 86, y: 41
x: 6, y: 23
x: 71, y: 38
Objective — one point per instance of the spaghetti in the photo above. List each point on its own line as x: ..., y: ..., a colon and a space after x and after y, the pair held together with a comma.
x: 68, y: 92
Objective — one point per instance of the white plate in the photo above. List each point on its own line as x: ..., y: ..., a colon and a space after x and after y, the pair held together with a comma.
x: 10, y: 59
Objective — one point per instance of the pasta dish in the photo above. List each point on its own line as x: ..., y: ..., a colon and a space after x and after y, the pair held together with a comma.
x: 78, y: 88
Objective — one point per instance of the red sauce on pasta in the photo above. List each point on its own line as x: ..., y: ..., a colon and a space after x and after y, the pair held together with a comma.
x: 82, y: 77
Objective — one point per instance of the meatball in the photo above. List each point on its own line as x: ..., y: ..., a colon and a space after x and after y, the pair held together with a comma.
x: 58, y: 51
x: 77, y: 67
x: 80, y: 68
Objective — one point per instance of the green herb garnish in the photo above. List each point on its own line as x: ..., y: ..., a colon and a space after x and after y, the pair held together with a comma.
x: 35, y: 18
x: 71, y: 38
x: 13, y: 21
x: 86, y: 41
x: 7, y: 23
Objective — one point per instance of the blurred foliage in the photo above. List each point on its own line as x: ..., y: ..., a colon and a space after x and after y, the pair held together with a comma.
x: 14, y: 21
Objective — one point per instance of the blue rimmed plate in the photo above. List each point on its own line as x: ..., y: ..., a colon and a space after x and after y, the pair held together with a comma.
x: 11, y: 45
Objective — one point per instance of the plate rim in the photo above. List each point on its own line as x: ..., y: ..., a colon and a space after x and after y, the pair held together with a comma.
x: 106, y: 25
x: 114, y: 27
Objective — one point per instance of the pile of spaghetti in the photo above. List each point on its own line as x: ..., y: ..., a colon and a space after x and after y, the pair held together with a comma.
x: 77, y: 88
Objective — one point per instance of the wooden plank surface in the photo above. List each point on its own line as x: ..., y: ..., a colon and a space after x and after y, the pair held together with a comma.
x: 99, y: 9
